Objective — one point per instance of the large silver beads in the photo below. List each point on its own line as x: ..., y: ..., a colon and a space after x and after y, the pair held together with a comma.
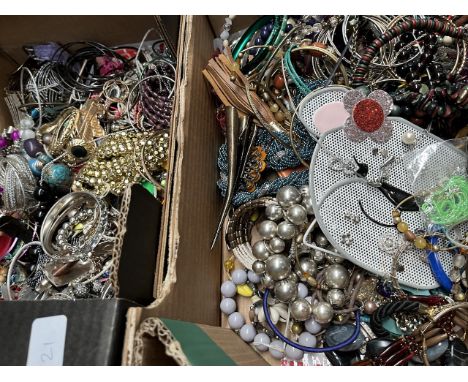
x: 286, y: 230
x: 307, y: 266
x: 278, y: 267
x: 274, y: 212
x: 267, y: 229
x: 260, y: 250
x: 297, y: 214
x: 301, y: 310
x: 276, y: 245
x: 287, y: 196
x: 323, y: 312
x: 336, y: 276
x: 285, y: 290
x: 336, y: 297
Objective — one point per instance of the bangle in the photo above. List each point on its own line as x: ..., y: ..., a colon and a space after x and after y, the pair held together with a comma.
x: 428, y: 25
x: 74, y: 226
x: 306, y: 348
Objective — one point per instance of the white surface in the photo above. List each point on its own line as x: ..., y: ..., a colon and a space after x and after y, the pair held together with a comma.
x: 47, y: 341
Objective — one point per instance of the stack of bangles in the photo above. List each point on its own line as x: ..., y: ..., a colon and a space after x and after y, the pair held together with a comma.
x: 89, y: 121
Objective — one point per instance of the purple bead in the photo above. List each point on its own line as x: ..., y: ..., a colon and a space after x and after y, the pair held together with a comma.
x: 265, y: 32
x: 259, y: 41
x: 15, y: 135
x: 384, y: 290
x: 33, y: 147
x: 3, y: 142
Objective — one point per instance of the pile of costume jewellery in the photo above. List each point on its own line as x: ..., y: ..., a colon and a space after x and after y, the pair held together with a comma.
x: 89, y: 121
x: 344, y: 174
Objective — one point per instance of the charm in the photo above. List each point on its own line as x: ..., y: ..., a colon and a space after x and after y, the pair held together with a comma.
x: 352, y: 218
x: 390, y: 244
x: 346, y: 239
x: 368, y: 116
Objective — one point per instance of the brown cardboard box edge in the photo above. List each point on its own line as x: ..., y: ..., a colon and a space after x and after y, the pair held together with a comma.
x: 190, y: 290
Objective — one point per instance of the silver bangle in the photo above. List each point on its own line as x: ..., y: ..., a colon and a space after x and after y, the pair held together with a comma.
x: 74, y: 226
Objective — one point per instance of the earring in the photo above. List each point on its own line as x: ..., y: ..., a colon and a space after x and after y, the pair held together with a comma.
x: 352, y: 218
x: 346, y: 239
x: 409, y: 138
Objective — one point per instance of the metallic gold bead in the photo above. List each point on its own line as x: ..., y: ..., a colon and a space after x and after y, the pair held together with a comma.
x: 402, y: 227
x: 460, y: 296
x: 420, y: 242
x: 297, y: 328
x: 311, y: 281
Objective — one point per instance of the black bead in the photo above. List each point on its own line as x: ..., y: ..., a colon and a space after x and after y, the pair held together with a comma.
x: 376, y: 346
x: 42, y: 194
x: 39, y: 215
x: 427, y: 57
x: 79, y: 151
x: 406, y: 110
x: 31, y: 255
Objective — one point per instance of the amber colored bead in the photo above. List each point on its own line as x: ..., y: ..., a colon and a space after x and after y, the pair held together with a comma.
x: 410, y: 236
x: 402, y: 227
x: 395, y: 213
x: 274, y: 108
x: 420, y: 242
x: 279, y: 116
x: 396, y: 219
x: 278, y: 82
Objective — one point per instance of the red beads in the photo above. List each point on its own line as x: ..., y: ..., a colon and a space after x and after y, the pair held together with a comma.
x: 368, y: 115
x: 278, y: 82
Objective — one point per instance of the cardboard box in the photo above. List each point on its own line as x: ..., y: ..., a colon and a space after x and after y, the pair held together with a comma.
x: 189, y: 274
x: 92, y: 324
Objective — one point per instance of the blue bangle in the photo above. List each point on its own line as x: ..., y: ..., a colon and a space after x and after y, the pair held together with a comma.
x: 306, y: 348
x: 436, y: 267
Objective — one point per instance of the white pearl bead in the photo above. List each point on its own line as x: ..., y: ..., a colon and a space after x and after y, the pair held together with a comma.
x: 248, y: 332
x: 228, y: 289
x: 302, y: 290
x: 236, y: 320
x: 276, y: 349
x: 408, y: 138
x: 293, y: 353
x: 239, y: 276
x: 261, y: 341
x: 227, y: 305
x: 224, y: 35
x: 312, y: 326
x: 253, y: 277
x: 27, y: 134
x: 307, y: 339
x: 447, y: 40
